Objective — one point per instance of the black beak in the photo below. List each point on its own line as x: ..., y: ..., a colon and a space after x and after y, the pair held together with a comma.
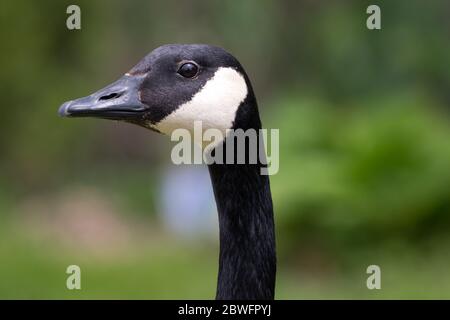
x: 118, y: 101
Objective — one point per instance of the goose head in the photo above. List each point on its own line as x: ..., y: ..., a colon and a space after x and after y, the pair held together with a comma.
x: 174, y: 87
x: 171, y: 88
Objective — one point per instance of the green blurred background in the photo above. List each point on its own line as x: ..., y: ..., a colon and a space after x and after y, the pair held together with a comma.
x: 365, y: 148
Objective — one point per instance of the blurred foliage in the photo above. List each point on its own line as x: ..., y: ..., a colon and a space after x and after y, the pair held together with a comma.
x: 365, y: 142
x: 363, y: 173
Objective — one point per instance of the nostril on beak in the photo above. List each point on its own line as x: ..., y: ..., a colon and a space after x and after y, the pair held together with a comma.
x: 110, y: 96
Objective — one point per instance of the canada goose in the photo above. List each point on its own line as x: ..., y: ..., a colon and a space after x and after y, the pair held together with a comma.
x: 172, y: 87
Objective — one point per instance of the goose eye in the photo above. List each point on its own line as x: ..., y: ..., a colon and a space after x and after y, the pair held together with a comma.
x: 188, y: 70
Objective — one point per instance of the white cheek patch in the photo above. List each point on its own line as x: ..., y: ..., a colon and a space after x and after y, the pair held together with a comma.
x: 215, y: 105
